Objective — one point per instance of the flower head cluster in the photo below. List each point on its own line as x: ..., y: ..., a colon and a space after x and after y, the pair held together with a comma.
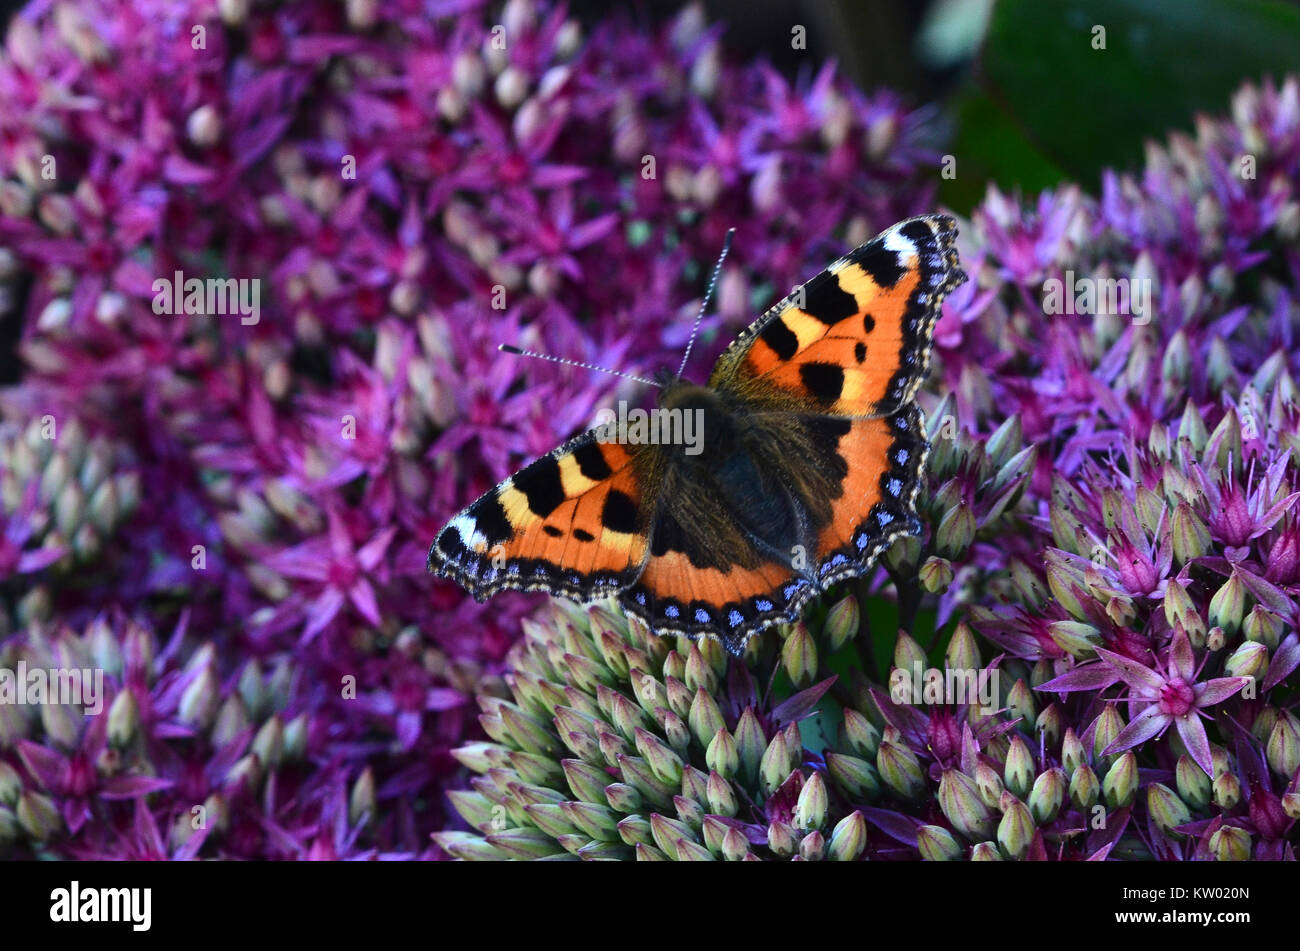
x: 372, y: 197
x: 1112, y: 530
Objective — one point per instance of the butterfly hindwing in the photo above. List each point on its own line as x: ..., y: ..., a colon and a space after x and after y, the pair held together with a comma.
x: 874, y: 464
x: 573, y: 523
x: 854, y: 340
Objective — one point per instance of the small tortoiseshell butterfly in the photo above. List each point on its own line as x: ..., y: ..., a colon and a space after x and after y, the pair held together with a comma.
x: 808, y: 468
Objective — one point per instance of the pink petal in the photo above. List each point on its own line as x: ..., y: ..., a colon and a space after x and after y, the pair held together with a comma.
x: 1089, y: 677
x: 1182, y: 662
x: 1145, y: 725
x: 1217, y: 690
x: 323, y: 610
x: 1138, y: 676
x: 363, y: 596
x: 370, y: 554
x: 1285, y: 659
x: 1192, y: 731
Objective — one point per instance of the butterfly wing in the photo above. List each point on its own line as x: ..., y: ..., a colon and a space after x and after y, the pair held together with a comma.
x: 854, y: 340
x: 873, y: 468
x: 572, y: 523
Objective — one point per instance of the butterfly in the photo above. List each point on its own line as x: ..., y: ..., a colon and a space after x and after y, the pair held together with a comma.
x: 806, y: 466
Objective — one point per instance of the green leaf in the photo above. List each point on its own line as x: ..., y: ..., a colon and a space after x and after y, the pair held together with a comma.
x: 1163, y: 61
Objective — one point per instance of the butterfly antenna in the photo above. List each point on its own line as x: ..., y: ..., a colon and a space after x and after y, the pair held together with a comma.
x: 708, y: 294
x: 506, y: 348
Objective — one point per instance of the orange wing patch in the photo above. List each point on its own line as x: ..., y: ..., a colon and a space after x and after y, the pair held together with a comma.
x: 885, y: 457
x: 854, y: 340
x: 572, y: 523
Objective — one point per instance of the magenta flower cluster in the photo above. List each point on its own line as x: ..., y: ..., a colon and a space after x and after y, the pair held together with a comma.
x: 227, y: 513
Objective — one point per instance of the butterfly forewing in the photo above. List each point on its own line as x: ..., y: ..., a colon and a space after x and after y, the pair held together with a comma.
x: 854, y: 340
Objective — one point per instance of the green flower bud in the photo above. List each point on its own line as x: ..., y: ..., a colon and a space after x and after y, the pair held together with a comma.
x: 960, y: 800
x: 908, y: 653
x: 937, y: 844
x: 1228, y: 605
x: 1120, y: 786
x: 699, y: 674
x: 900, y: 770
x: 848, y: 838
x: 956, y: 531
x: 11, y: 784
x: 123, y: 718
x: 781, y: 839
x: 1215, y: 639
x: 860, y: 733
x: 856, y: 777
x: 1073, y: 754
x: 842, y: 622
x: 1283, y: 748
x: 1075, y: 638
x: 734, y: 845
x: 799, y: 656
x: 1018, y: 772
x: 1180, y: 609
x: 38, y: 816
x: 774, y: 768
x: 198, y: 704
x: 1166, y: 809
x: 1048, y: 724
x: 1048, y: 795
x: 985, y: 852
x: 936, y: 574
x: 1191, y: 539
x: 1263, y: 627
x: 1016, y: 830
x: 813, y: 847
x: 722, y: 798
x: 810, y: 810
x: 989, y: 785
x: 666, y: 764
x: 722, y: 755
x: 637, y: 772
x: 1021, y: 701
x: 1085, y: 787
x: 624, y: 798
x: 1192, y: 427
x: 1193, y: 785
x: 268, y: 744
x: 1107, y: 727
x: 1230, y: 844
x: 1227, y: 791
x: 705, y: 718
x: 963, y: 652
x: 1291, y: 805
x: 751, y: 744
x: 1248, y: 660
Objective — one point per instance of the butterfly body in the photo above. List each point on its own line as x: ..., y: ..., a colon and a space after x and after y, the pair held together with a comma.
x: 807, y: 457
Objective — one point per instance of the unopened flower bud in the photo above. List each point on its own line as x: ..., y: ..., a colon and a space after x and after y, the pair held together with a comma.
x: 856, y: 777
x: 1230, y: 844
x: 848, y: 838
x: 985, y: 852
x: 1228, y: 605
x: 961, y: 802
x: 1165, y: 808
x: 810, y: 810
x: 1191, y: 539
x: 1193, y: 785
x: 937, y: 844
x: 799, y: 655
x: 1227, y: 791
x: 900, y: 770
x: 842, y: 622
x: 1283, y: 749
x: 1048, y: 795
x: 1084, y: 788
x: 936, y: 574
x: 1120, y: 786
x: 1018, y: 772
x: 1016, y: 830
x: 1250, y: 659
x: 956, y: 531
